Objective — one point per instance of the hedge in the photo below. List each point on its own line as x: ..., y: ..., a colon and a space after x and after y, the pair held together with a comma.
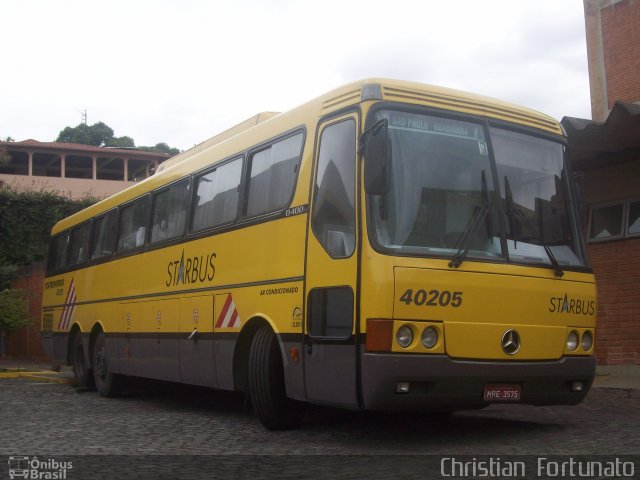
x: 26, y: 219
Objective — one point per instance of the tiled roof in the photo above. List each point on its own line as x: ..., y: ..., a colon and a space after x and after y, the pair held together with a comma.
x: 616, y: 140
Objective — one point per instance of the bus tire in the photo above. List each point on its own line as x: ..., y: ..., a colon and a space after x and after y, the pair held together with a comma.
x: 107, y: 382
x: 82, y: 374
x: 266, y: 384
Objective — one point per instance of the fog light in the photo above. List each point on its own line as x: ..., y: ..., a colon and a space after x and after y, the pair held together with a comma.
x: 587, y: 341
x: 402, y: 387
x: 572, y: 340
x: 577, y: 387
x: 404, y: 336
x: 429, y: 337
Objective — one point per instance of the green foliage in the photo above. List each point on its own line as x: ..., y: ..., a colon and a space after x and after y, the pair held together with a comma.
x: 26, y: 219
x: 97, y: 134
x: 121, y: 142
x: 161, y: 148
x: 13, y: 310
x: 101, y: 135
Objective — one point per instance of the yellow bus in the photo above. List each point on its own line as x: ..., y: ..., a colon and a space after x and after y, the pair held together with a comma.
x: 386, y: 246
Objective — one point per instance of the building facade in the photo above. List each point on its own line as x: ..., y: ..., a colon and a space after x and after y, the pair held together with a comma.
x: 72, y: 169
x: 606, y: 156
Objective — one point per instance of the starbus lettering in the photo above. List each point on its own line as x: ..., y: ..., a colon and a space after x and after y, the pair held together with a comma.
x: 574, y: 306
x: 189, y: 270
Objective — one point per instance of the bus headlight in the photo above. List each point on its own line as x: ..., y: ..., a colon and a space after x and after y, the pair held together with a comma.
x: 404, y: 336
x: 587, y: 341
x: 572, y: 340
x: 429, y: 337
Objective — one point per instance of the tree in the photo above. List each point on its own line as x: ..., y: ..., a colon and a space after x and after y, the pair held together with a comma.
x: 101, y: 135
x: 121, y: 142
x: 97, y: 134
x: 161, y: 148
x: 5, y: 158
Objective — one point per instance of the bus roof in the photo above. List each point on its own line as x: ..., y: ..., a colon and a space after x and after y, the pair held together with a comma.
x: 266, y: 125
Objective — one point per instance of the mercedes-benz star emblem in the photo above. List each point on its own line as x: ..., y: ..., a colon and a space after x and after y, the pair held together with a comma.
x: 510, y: 342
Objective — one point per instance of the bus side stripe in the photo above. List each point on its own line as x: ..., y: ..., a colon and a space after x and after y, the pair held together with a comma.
x: 67, y: 311
x: 223, y: 313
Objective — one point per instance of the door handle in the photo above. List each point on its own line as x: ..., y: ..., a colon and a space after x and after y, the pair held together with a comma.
x: 193, y: 336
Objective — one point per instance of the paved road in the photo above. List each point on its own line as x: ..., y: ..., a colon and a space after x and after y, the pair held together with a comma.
x: 53, y: 420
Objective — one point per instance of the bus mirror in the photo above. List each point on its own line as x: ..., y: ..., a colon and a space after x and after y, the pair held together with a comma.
x: 377, y: 160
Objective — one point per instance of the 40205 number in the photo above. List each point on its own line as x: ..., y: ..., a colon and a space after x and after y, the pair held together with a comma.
x: 432, y: 298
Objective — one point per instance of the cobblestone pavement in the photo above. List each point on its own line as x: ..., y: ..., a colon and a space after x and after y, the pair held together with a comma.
x: 49, y: 419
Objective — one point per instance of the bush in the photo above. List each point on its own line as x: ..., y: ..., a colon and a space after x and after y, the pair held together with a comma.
x: 26, y: 219
x: 13, y: 310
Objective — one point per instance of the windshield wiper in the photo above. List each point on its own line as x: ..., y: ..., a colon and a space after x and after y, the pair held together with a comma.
x: 512, y: 212
x: 473, y: 226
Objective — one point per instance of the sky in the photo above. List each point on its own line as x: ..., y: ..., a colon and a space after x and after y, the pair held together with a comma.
x: 181, y: 71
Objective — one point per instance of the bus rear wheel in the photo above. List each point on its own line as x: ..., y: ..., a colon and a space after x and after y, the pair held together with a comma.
x: 107, y: 382
x: 266, y: 384
x: 81, y: 371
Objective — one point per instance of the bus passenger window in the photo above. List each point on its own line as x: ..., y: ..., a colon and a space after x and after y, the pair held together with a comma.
x: 217, y: 195
x: 272, y: 176
x: 133, y: 224
x: 333, y: 215
x: 58, y: 252
x: 170, y: 208
x: 103, y: 240
x: 79, y: 244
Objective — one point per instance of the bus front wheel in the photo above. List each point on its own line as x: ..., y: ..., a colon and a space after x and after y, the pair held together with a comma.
x: 266, y: 384
x: 107, y: 382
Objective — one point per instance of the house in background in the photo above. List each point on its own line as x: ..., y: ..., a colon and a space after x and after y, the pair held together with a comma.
x: 606, y: 159
x: 73, y: 169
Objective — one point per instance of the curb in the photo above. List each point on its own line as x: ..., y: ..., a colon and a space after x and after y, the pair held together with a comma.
x: 45, y: 376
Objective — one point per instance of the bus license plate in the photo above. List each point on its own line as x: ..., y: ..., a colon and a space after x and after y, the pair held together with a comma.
x: 500, y: 392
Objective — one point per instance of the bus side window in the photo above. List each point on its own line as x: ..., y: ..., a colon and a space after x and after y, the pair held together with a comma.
x: 272, y: 176
x: 333, y: 215
x: 103, y: 239
x: 133, y: 224
x: 170, y: 209
x: 79, y: 244
x: 217, y: 196
x: 58, y: 252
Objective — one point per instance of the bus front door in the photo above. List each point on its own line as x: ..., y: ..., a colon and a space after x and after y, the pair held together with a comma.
x: 331, y: 268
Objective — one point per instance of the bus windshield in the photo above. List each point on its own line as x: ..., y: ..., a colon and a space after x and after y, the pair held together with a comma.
x: 444, y: 196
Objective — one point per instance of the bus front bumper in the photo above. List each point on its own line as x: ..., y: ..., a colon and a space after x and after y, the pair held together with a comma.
x: 437, y: 382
